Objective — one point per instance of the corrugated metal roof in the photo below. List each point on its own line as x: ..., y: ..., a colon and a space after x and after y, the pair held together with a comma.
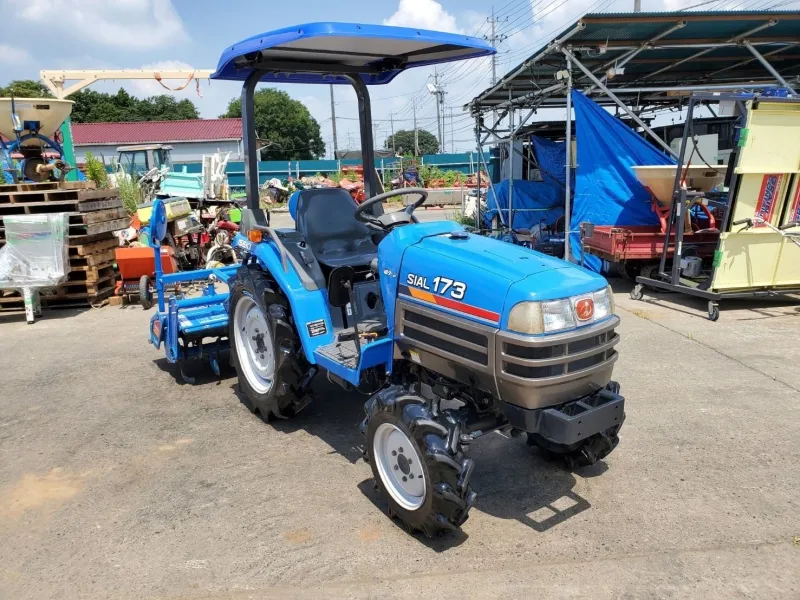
x: 604, y: 38
x: 144, y: 132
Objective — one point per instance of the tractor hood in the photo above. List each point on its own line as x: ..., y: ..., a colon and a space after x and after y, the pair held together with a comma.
x: 481, y: 278
x: 486, y: 254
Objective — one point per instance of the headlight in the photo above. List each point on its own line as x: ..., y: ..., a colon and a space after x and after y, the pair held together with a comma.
x: 603, y: 304
x: 560, y: 315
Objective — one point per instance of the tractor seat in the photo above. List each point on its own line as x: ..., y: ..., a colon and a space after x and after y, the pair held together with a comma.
x: 325, y: 218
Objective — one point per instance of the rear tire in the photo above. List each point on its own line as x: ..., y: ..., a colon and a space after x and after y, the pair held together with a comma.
x: 145, y: 292
x: 404, y: 438
x: 264, y: 346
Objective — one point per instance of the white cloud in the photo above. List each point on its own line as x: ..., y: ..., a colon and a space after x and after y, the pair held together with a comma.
x: 425, y: 14
x: 128, y: 24
x: 12, y: 55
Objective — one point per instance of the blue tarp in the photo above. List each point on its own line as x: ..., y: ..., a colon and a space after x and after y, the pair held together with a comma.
x: 533, y: 202
x: 606, y: 190
x: 552, y: 158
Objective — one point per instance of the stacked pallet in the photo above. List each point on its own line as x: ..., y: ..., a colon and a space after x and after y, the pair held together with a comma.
x: 93, y: 215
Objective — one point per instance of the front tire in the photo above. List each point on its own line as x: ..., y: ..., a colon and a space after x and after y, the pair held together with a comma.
x: 264, y: 346
x: 417, y: 461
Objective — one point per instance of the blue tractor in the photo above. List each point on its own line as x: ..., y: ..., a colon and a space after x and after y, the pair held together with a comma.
x: 454, y: 335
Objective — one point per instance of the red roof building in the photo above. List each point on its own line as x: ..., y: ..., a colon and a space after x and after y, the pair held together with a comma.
x: 190, y: 139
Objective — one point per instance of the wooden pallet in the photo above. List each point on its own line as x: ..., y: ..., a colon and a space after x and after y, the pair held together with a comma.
x: 57, y: 195
x: 70, y: 206
x: 85, y: 240
x: 107, y: 242
x: 92, y: 261
x: 89, y: 294
x: 99, y: 216
x: 82, y: 231
x: 96, y: 300
x: 70, y: 299
x: 85, y: 287
x: 11, y: 300
x: 90, y: 276
x: 8, y: 188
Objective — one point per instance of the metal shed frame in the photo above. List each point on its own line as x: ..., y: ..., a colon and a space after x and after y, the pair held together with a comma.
x: 640, y: 62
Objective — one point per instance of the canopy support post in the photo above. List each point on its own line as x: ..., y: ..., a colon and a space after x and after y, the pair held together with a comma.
x: 367, y: 147
x: 250, y: 142
x: 769, y: 67
x: 568, y: 191
x: 619, y: 102
x: 511, y: 159
x: 478, y: 220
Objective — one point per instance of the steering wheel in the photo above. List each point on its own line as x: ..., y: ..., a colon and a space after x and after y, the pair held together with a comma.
x: 387, y: 221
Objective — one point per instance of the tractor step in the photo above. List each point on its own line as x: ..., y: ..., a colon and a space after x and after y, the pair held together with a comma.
x: 344, y: 353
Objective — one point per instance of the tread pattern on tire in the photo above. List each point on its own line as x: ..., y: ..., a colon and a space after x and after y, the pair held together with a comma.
x: 281, y: 399
x: 448, y: 471
x: 145, y: 295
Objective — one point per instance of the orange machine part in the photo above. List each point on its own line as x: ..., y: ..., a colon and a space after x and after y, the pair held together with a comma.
x: 135, y: 262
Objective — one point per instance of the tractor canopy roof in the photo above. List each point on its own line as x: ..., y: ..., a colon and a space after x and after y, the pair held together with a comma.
x: 324, y: 52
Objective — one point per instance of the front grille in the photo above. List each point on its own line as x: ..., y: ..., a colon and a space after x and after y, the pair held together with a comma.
x: 455, y: 340
x: 535, y: 352
x: 533, y: 372
x: 585, y: 363
x: 590, y: 342
x: 452, y: 330
x: 556, y: 358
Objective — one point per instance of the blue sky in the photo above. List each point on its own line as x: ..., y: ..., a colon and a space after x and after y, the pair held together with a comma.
x: 116, y: 34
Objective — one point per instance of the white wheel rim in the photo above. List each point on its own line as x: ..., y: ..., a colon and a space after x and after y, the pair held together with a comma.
x: 254, y: 345
x: 399, y: 466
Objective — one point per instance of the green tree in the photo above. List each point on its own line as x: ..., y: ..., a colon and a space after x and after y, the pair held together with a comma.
x: 404, y: 142
x: 166, y: 108
x: 286, y: 123
x: 98, y: 107
x: 25, y: 88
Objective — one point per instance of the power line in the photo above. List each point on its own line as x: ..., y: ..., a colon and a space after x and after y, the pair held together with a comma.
x: 493, y: 39
x: 699, y: 5
x: 533, y: 15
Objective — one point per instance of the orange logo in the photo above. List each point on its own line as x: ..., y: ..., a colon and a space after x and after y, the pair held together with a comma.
x: 584, y: 308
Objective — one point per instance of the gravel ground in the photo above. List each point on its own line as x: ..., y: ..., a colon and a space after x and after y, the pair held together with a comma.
x: 119, y: 481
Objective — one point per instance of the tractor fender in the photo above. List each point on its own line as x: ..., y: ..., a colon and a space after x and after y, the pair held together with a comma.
x: 309, y: 308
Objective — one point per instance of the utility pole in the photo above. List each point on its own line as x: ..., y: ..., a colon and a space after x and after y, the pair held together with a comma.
x: 416, y: 132
x: 493, y: 39
x: 374, y: 133
x: 439, y: 120
x: 391, y: 121
x: 452, y: 135
x: 333, y: 120
x: 637, y: 5
x: 438, y: 91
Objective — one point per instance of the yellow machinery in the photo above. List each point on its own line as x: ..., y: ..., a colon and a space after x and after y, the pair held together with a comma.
x: 758, y: 254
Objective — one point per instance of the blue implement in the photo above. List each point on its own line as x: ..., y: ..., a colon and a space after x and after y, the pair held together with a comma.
x: 183, y: 324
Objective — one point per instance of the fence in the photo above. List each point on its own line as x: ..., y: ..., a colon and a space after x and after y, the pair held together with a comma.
x: 466, y: 162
